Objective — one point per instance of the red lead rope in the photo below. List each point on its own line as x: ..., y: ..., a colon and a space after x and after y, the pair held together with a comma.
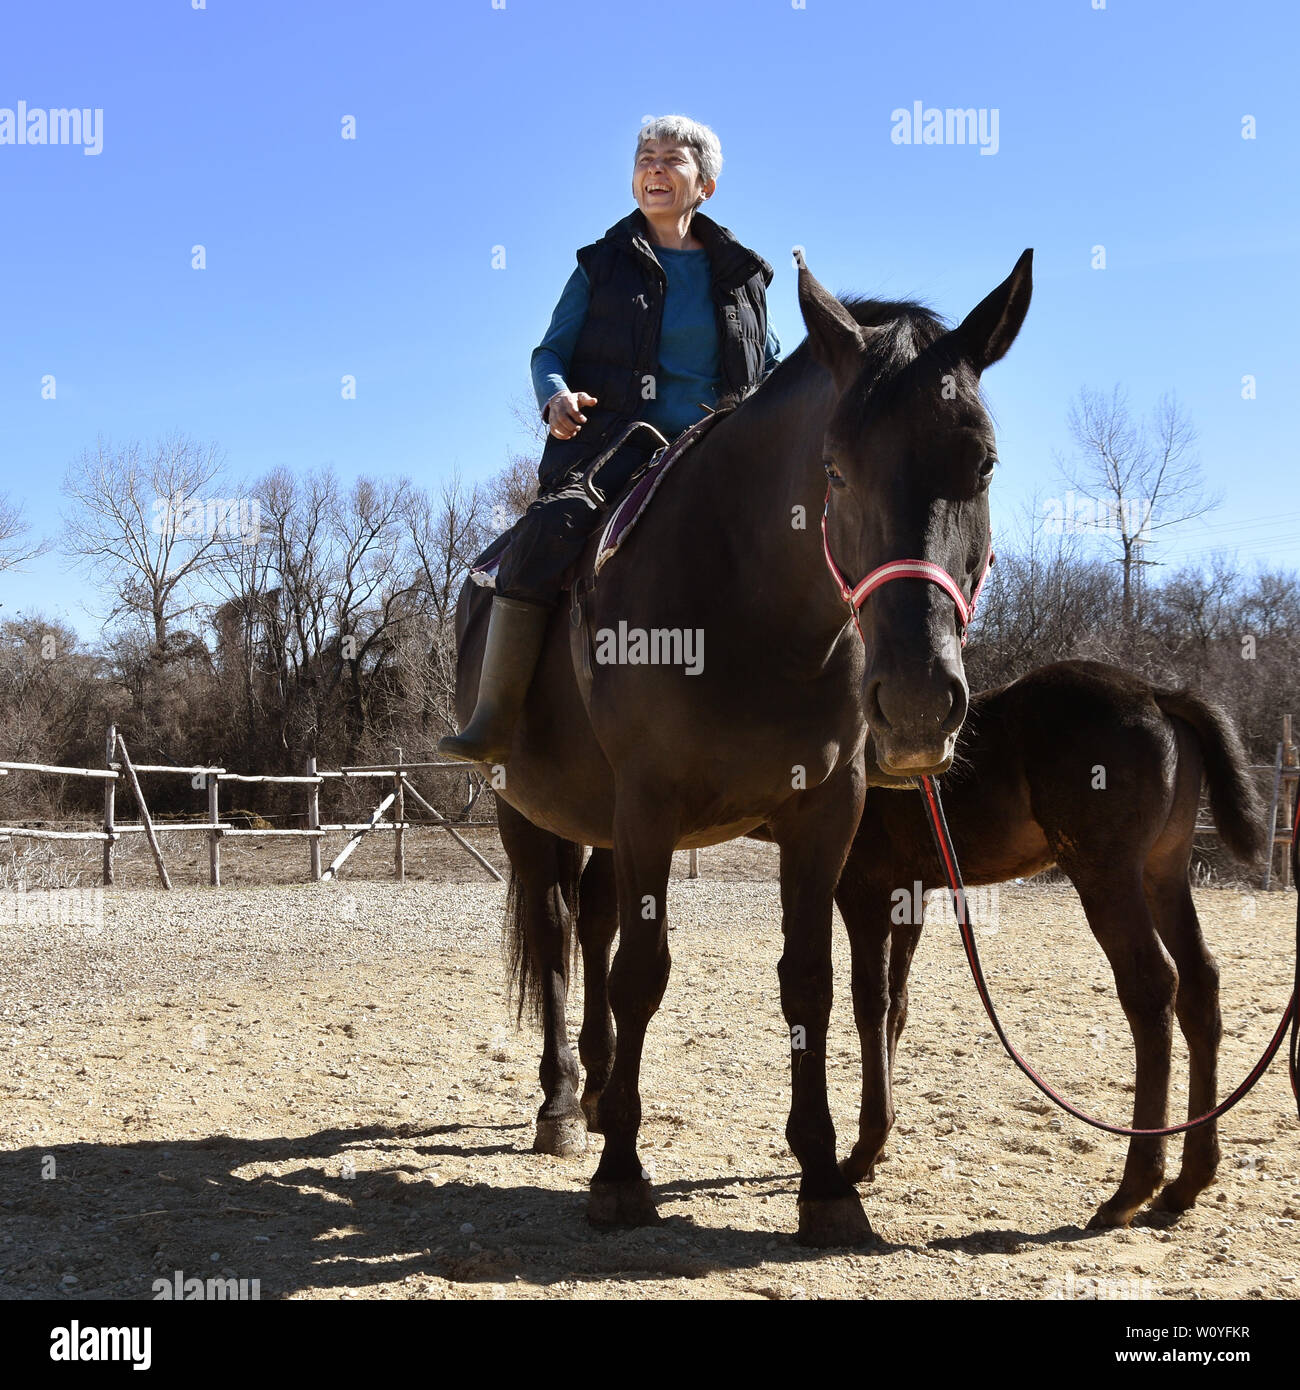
x: 929, y: 789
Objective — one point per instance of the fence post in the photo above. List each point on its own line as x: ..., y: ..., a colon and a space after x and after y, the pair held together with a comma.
x: 1272, y: 819
x: 313, y: 818
x: 110, y: 792
x: 1289, y: 760
x: 440, y: 819
x: 145, y: 818
x: 399, y: 849
x: 214, y: 836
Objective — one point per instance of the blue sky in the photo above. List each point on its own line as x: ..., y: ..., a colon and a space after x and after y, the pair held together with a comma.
x: 480, y: 127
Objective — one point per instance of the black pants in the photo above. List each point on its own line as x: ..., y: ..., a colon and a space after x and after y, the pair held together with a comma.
x: 550, y: 535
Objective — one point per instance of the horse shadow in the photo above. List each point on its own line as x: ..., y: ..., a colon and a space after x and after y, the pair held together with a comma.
x: 300, y: 1216
x: 119, y: 1220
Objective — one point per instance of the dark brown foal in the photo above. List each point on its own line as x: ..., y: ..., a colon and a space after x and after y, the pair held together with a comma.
x: 1088, y: 767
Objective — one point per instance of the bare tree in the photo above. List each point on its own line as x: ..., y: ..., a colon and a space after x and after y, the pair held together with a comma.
x: 1198, y: 606
x: 247, y: 623
x: 511, y: 491
x: 16, y: 545
x: 144, y: 525
x: 371, y: 588
x: 1043, y: 600
x: 529, y: 419
x: 1141, y: 477
x: 445, y: 531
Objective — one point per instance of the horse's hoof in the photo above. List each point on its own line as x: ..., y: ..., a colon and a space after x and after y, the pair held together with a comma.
x: 590, y: 1107
x: 561, y: 1136
x: 860, y: 1166
x: 834, y: 1221
x: 1175, y: 1199
x: 628, y: 1203
x: 1112, y: 1216
x: 857, y: 1169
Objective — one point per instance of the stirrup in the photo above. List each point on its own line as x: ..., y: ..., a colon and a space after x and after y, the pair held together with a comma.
x: 588, y: 478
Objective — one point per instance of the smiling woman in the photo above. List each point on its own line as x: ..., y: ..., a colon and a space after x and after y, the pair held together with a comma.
x: 663, y: 315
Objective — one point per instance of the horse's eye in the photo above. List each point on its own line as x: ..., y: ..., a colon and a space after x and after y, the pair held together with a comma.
x: 833, y: 473
x: 987, y: 467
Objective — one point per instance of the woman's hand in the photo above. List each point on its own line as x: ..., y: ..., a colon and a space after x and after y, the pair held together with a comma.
x: 564, y: 412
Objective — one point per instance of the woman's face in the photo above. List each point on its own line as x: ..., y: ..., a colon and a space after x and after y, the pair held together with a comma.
x: 666, y: 180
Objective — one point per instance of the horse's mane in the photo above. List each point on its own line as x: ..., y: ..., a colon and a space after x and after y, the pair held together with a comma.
x: 910, y: 327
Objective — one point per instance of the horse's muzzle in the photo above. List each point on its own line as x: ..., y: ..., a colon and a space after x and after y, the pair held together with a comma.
x: 915, y: 717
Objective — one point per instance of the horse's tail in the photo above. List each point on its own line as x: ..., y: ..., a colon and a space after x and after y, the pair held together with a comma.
x: 525, y: 981
x: 1235, y: 802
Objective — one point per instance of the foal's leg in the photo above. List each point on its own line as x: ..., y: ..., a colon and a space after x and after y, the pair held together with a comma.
x: 545, y: 866
x: 1197, y: 1004
x: 865, y: 909
x: 1146, y: 981
x: 902, y: 947
x: 814, y: 836
x: 643, y: 853
x: 597, y: 923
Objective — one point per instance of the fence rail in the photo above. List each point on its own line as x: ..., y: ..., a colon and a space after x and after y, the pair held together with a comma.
x: 1284, y: 774
x: 119, y: 768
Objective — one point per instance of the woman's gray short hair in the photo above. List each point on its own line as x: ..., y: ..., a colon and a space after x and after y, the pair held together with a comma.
x: 681, y: 130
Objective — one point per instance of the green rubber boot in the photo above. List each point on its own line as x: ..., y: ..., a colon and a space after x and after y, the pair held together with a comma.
x: 514, y: 642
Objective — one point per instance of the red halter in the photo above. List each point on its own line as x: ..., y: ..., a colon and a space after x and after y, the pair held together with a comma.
x: 856, y: 596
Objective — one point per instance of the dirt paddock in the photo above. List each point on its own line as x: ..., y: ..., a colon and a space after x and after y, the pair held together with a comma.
x: 320, y: 1088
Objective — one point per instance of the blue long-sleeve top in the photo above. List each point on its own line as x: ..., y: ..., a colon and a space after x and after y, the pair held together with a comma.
x: 690, y: 367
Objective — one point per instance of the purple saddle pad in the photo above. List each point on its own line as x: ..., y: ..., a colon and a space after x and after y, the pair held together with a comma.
x: 627, y: 511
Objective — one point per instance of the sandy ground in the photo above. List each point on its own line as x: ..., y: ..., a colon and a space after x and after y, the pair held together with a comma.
x: 320, y: 1088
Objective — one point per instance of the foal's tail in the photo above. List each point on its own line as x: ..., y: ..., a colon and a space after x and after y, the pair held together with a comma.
x: 1235, y: 802
x: 525, y: 979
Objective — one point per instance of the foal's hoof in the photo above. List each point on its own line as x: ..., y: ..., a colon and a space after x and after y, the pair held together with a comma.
x: 834, y: 1221
x: 857, y: 1169
x: 628, y: 1203
x: 561, y: 1136
x: 1175, y: 1199
x: 1113, y: 1216
x: 861, y: 1167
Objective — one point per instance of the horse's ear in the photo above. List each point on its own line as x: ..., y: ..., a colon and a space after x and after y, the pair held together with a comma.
x: 833, y: 333
x: 990, y: 328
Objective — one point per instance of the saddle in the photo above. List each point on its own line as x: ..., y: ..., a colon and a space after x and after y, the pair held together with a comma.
x: 624, y: 513
x: 625, y: 510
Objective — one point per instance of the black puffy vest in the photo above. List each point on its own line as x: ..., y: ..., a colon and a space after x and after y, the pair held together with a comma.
x: 618, y: 345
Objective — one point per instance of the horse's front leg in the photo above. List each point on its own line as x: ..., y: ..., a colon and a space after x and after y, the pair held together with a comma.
x: 643, y: 853
x: 814, y: 832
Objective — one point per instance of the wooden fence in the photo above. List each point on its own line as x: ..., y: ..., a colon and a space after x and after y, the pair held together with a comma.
x: 119, y: 769
x: 1284, y: 775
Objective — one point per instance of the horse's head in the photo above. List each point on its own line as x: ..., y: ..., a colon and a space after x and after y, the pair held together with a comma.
x: 910, y: 453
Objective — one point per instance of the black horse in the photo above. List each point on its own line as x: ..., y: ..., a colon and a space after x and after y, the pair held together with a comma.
x: 884, y: 400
